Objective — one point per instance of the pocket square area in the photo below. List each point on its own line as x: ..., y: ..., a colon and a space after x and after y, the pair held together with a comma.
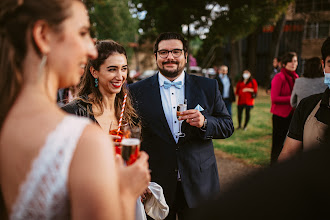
x: 199, y: 108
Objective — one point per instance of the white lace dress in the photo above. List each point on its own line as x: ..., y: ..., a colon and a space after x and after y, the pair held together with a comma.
x: 44, y: 193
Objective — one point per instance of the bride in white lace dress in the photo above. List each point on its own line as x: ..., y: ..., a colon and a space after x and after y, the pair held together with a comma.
x: 54, y: 166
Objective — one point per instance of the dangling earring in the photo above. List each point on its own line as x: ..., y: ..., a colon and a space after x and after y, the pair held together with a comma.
x: 42, y: 65
x: 96, y: 82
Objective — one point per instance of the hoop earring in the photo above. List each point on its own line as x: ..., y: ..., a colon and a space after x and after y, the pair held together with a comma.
x: 42, y: 65
x: 96, y: 82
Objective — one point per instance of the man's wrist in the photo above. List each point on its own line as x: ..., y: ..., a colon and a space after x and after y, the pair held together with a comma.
x: 204, y: 124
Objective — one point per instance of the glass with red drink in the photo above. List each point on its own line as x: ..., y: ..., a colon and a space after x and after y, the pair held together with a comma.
x: 117, y: 136
x: 130, y: 147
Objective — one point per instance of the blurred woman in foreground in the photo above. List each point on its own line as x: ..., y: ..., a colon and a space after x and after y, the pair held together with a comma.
x: 55, y: 165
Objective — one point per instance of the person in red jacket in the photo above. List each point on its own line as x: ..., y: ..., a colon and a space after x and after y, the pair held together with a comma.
x: 246, y: 90
x: 282, y: 86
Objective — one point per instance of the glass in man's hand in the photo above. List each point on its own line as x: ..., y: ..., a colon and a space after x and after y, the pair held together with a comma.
x: 181, y: 108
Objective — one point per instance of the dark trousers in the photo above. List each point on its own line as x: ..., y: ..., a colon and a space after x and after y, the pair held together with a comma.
x: 280, y: 130
x: 228, y: 105
x: 180, y: 207
x: 240, y: 109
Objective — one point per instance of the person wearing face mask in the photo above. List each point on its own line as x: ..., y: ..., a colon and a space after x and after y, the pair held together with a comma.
x: 246, y: 90
x: 310, y: 123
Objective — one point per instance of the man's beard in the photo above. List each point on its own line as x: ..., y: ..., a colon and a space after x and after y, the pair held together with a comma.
x: 172, y: 73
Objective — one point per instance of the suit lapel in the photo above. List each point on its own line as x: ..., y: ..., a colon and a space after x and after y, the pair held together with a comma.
x: 158, y: 107
x: 192, y: 94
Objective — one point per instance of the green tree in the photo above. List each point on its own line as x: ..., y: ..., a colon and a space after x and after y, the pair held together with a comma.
x: 170, y: 15
x: 244, y: 18
x: 111, y: 19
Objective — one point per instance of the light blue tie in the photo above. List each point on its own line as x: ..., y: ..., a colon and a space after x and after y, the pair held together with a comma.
x: 169, y: 84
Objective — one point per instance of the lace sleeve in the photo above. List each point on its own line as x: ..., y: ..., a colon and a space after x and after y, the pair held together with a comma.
x: 44, y: 193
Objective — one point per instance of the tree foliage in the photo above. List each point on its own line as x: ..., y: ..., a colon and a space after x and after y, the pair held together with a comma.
x: 111, y: 19
x: 244, y: 16
x: 169, y: 15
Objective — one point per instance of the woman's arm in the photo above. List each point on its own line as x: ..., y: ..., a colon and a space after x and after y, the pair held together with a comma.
x: 276, y: 96
x: 94, y: 180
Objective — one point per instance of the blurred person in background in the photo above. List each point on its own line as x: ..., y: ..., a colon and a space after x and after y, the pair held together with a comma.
x: 246, y: 90
x: 309, y: 127
x: 282, y: 86
x: 225, y: 87
x: 55, y: 165
x: 276, y: 69
x: 311, y: 83
x: 66, y: 95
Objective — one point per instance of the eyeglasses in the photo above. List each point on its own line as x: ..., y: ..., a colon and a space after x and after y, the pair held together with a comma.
x: 175, y: 53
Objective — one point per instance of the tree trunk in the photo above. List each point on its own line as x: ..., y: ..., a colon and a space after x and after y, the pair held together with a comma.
x: 252, y: 52
x: 239, y: 57
x: 235, y: 59
x: 275, y: 44
x: 188, y: 52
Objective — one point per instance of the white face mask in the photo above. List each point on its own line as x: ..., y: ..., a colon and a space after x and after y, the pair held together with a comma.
x: 246, y: 75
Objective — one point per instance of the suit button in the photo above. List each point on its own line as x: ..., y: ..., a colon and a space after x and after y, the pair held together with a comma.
x: 176, y: 170
x: 177, y: 148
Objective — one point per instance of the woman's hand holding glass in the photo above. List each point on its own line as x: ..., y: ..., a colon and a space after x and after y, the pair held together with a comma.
x: 134, y: 179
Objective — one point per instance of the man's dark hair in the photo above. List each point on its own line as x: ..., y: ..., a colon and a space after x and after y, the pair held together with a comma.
x: 287, y: 57
x: 171, y: 36
x: 325, y: 50
x: 313, y: 68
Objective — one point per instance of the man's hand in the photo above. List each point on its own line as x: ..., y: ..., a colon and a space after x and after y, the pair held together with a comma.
x: 193, y: 117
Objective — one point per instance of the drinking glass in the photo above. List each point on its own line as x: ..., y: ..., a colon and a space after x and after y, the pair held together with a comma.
x: 117, y: 136
x: 130, y: 147
x: 181, y: 108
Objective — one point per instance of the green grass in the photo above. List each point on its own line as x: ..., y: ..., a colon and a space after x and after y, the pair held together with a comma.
x: 253, y: 145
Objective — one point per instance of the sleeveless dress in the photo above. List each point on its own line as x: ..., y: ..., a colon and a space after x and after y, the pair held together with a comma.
x: 44, y: 193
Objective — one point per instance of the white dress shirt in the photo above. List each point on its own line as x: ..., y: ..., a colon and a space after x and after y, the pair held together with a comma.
x: 171, y: 98
x: 226, y: 85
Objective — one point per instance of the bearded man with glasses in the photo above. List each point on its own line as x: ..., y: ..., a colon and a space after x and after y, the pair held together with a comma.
x: 185, y: 166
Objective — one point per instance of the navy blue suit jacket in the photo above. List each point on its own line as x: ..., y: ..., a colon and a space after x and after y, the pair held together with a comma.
x: 193, y: 155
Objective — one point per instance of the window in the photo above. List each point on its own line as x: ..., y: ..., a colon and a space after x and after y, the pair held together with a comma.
x: 312, y: 5
x: 317, y: 30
